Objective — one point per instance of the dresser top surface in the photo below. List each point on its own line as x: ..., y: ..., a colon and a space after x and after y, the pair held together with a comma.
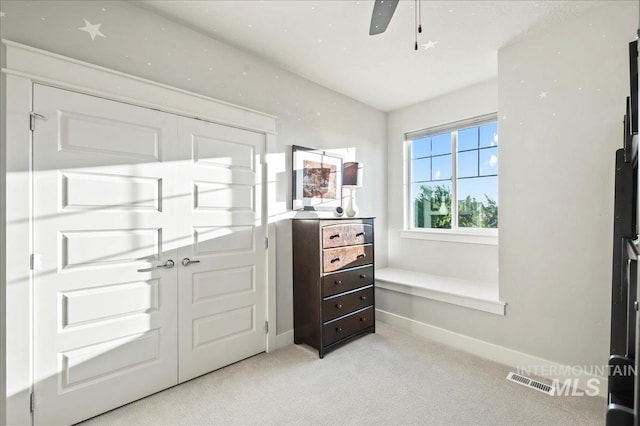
x: 332, y: 218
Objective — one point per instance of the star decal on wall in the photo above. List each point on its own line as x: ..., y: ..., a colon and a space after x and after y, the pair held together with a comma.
x: 92, y: 29
x: 542, y: 95
x: 430, y: 45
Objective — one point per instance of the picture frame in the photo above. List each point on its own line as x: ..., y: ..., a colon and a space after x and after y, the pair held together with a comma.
x: 317, y: 179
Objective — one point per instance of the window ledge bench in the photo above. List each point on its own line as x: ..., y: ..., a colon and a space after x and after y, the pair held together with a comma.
x: 478, y: 295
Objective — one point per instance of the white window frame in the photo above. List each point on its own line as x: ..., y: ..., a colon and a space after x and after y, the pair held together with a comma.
x: 487, y: 236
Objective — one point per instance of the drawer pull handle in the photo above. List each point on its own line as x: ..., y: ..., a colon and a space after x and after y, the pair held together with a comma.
x: 363, y: 297
x: 360, y: 256
x: 359, y: 234
x: 338, y: 282
x: 334, y: 236
x: 338, y: 329
x: 363, y: 319
x: 338, y: 305
x: 363, y: 276
x: 337, y: 259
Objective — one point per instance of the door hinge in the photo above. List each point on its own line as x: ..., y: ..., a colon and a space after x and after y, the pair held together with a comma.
x: 32, y: 402
x: 32, y: 119
x: 35, y: 261
x: 266, y: 242
x: 266, y: 327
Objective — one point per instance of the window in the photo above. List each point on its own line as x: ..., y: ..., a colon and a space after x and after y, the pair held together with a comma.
x: 457, y: 162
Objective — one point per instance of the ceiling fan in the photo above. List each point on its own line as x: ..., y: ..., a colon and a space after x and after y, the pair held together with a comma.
x: 383, y: 12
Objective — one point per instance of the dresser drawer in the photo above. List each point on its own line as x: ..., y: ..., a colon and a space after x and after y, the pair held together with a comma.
x: 346, y: 257
x: 345, y: 281
x: 347, y: 234
x: 345, y: 327
x: 343, y: 304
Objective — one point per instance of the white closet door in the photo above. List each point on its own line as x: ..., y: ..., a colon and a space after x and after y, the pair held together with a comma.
x: 222, y: 297
x: 104, y: 314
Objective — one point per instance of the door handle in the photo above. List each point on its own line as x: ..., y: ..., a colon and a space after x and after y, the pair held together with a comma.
x: 186, y: 261
x: 168, y: 264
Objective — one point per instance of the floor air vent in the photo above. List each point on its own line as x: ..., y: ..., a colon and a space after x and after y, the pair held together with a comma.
x: 530, y: 383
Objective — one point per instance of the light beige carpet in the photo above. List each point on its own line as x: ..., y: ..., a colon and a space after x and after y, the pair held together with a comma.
x: 387, y: 378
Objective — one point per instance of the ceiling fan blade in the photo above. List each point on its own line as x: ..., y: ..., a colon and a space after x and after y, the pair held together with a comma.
x: 382, y: 13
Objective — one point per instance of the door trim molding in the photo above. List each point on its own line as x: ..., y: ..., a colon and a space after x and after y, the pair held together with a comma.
x: 63, y: 72
x: 24, y: 66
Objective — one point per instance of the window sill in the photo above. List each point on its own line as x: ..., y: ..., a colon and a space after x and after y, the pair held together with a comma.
x: 477, y: 295
x: 451, y: 236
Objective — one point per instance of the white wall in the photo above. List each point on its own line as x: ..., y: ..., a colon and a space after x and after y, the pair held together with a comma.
x: 561, y: 102
x: 463, y: 260
x: 561, y: 99
x: 142, y: 43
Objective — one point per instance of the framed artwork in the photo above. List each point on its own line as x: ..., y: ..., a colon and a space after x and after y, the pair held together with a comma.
x: 317, y: 179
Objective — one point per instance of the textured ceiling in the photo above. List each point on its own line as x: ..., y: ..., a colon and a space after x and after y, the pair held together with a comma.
x: 328, y: 41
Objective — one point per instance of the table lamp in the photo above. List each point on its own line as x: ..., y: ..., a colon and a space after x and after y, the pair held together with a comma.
x: 351, y: 179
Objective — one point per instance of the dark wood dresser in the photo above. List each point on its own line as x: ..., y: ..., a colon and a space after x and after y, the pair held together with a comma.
x: 333, y: 281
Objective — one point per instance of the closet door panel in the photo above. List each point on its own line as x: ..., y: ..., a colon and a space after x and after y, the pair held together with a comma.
x: 103, y: 220
x: 222, y: 290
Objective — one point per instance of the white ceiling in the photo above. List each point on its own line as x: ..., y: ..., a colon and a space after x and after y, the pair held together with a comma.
x: 328, y: 41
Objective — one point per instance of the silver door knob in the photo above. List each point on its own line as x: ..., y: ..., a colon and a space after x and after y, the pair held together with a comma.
x: 168, y: 264
x: 186, y: 261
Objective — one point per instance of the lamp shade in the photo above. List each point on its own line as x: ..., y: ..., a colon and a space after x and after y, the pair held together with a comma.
x: 352, y: 174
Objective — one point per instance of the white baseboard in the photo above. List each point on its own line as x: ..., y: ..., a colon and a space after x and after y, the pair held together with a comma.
x: 284, y: 339
x: 585, y: 382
